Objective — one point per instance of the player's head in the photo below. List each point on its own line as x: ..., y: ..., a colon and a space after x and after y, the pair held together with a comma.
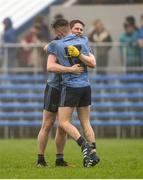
x: 77, y: 27
x: 61, y: 28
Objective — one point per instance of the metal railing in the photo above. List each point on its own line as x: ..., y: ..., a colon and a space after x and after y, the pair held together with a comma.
x: 110, y: 57
x: 112, y: 97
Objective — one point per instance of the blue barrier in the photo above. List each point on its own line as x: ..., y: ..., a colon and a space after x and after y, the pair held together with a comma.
x: 117, y: 105
x: 10, y: 115
x: 77, y: 123
x: 40, y: 77
x: 33, y: 105
x: 22, y: 105
x: 94, y: 96
x: 22, y: 96
x: 38, y: 115
x: 117, y: 95
x: 20, y: 123
x: 25, y: 78
x: 94, y: 86
x: 120, y: 77
x: 114, y: 123
x: 35, y: 84
x: 114, y: 114
x: 117, y: 86
x: 22, y: 87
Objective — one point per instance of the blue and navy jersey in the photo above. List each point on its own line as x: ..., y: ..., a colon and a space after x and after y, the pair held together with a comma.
x: 54, y: 80
x: 59, y: 49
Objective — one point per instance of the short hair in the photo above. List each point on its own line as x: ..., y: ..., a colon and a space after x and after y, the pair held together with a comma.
x: 60, y: 23
x: 131, y: 20
x: 73, y: 22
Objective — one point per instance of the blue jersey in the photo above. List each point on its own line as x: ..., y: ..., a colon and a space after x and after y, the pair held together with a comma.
x: 54, y: 80
x: 59, y: 49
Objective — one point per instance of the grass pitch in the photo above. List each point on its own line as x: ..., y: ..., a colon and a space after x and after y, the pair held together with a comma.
x: 119, y: 159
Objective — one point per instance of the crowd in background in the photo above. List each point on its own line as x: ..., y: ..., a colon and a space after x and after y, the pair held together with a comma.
x: 131, y: 38
x: 39, y: 32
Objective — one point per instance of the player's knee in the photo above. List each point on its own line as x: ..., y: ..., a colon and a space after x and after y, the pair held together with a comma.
x: 62, y: 125
x: 47, y: 126
x: 60, y: 130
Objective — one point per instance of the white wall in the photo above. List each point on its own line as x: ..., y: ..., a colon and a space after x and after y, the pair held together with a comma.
x: 112, y: 15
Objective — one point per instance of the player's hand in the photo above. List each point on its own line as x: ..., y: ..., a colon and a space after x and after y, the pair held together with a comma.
x: 73, y: 51
x: 77, y: 69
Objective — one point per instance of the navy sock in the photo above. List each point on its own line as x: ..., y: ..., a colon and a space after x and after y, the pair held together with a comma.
x: 80, y: 140
x: 41, y: 158
x: 94, y: 145
x: 59, y: 157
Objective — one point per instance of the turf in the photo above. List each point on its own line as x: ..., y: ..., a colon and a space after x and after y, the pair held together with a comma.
x: 119, y: 159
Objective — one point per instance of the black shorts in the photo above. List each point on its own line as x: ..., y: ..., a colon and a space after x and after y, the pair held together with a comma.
x: 75, y: 97
x: 51, y: 99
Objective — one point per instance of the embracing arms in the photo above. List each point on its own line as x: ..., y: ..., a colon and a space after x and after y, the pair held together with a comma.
x: 53, y: 66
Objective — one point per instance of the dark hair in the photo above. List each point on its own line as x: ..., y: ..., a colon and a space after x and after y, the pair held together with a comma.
x: 60, y: 23
x: 7, y: 22
x: 131, y: 20
x: 73, y: 22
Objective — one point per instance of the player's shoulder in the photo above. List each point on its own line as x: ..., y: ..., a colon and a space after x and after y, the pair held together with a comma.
x: 52, y: 44
x: 85, y: 38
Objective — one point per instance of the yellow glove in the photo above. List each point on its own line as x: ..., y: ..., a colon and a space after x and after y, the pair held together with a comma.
x: 73, y: 51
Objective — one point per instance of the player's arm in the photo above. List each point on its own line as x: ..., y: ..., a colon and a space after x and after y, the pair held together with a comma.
x: 53, y: 66
x: 90, y: 60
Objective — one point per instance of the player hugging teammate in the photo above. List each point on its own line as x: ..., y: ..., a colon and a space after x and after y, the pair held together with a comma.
x: 70, y: 52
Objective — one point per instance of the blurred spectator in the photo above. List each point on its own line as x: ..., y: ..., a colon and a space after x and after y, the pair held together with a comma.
x: 31, y: 56
x: 9, y: 36
x: 130, y: 52
x: 131, y: 20
x: 140, y: 38
x: 100, y: 35
x: 45, y: 32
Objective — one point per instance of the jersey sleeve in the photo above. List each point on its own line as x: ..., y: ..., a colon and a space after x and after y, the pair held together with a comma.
x: 52, y: 48
x: 86, y: 49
